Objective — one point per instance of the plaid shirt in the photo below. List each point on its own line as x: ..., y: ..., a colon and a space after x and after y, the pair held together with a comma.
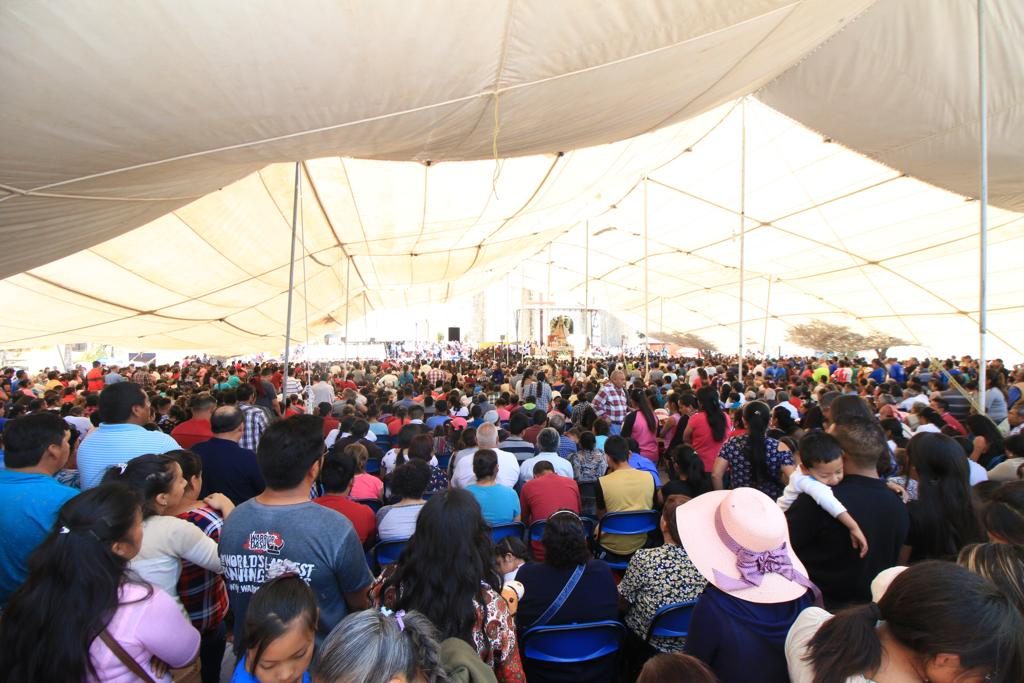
x: 255, y: 424
x: 435, y: 376
x: 578, y: 410
x: 203, y: 593
x: 610, y: 404
x: 143, y: 378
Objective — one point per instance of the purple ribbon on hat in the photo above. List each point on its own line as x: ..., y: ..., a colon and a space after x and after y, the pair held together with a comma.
x: 753, y: 565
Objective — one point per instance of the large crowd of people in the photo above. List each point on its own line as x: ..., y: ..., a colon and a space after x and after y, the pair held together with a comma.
x: 455, y: 515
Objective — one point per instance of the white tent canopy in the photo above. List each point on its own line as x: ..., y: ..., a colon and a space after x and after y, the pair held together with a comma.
x: 149, y: 149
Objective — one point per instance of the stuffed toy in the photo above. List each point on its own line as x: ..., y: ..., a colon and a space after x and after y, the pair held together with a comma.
x: 513, y: 592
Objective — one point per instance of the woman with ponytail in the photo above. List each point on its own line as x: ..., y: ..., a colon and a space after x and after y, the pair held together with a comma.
x: 706, y: 430
x: 81, y: 615
x: 641, y: 425
x: 936, y: 622
x: 754, y: 459
x: 943, y: 519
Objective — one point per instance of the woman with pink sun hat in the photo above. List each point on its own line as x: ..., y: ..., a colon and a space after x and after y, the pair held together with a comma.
x: 739, y: 541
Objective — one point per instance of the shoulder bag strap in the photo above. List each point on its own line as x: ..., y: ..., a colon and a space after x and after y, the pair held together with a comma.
x: 562, y: 597
x: 125, y: 658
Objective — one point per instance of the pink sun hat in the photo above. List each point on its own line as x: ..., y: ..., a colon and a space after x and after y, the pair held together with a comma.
x: 739, y: 541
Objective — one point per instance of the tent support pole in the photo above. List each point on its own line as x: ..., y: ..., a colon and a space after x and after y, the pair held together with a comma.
x: 647, y: 302
x: 348, y: 279
x: 291, y: 282
x: 743, y: 226
x: 767, y: 308
x: 983, y: 201
x: 586, y: 286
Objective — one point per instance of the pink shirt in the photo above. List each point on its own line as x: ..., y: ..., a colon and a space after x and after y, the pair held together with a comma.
x: 154, y: 626
x: 646, y: 438
x: 703, y: 440
x: 366, y: 486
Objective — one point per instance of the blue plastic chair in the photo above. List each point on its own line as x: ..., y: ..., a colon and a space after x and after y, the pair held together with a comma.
x: 383, y: 443
x: 388, y: 552
x: 501, y: 531
x: 633, y: 523
x: 372, y: 503
x: 373, y: 466
x: 572, y: 643
x: 672, y: 621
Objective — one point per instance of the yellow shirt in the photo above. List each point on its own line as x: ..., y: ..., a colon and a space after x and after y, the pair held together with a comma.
x: 626, y: 490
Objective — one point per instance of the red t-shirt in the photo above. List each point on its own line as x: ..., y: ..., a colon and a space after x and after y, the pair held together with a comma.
x: 94, y: 380
x: 191, y: 432
x: 329, y: 424
x: 543, y: 496
x: 361, y: 516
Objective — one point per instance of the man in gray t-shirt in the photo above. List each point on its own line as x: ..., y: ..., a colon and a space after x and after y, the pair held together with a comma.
x: 282, y: 531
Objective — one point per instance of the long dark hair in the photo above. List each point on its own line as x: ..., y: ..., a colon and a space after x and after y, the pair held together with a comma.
x: 684, y: 462
x: 712, y: 407
x: 643, y: 404
x: 72, y: 589
x: 756, y: 416
x: 931, y: 608
x: 944, y: 508
x: 439, y: 573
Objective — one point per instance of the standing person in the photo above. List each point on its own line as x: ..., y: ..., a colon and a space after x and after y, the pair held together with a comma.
x: 611, y: 403
x: 936, y: 622
x: 94, y: 378
x: 36, y: 447
x: 452, y: 579
x: 202, y: 592
x: 707, y: 430
x: 228, y: 468
x: 823, y: 543
x: 641, y: 425
x: 255, y: 418
x: 197, y: 428
x: 279, y: 633
x: 282, y: 527
x: 739, y: 542
x: 754, y: 459
x: 943, y: 518
x: 124, y: 408
x: 80, y: 600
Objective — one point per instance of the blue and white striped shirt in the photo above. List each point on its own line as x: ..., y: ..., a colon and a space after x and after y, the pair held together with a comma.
x: 110, y: 444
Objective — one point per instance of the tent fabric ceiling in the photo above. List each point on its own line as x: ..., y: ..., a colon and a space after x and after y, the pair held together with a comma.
x: 116, y: 114
x: 146, y: 194
x: 900, y: 84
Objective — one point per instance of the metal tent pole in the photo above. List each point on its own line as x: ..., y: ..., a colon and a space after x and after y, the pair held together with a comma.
x: 586, y: 286
x: 983, y: 200
x: 647, y: 306
x: 291, y: 283
x: 767, y: 308
x: 348, y: 279
x: 743, y: 220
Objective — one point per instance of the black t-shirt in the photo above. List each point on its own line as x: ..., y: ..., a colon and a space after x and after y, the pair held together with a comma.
x: 823, y: 543
x: 680, y: 488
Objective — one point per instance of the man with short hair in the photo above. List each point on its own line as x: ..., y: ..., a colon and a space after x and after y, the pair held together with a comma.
x: 113, y: 377
x: 941, y: 406
x: 547, y: 493
x: 322, y: 391
x: 515, y: 443
x: 823, y: 544
x: 547, y: 443
x: 94, y: 378
x: 35, y: 448
x: 623, y: 489
x: 124, y: 408
x: 197, y: 429
x: 540, y: 421
x: 508, y: 466
x: 610, y: 404
x: 143, y: 376
x: 281, y: 530
x: 227, y: 467
x: 566, y: 446
x: 255, y: 417
x: 360, y: 434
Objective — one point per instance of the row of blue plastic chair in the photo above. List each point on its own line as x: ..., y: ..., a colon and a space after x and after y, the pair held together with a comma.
x: 578, y: 643
x: 624, y: 523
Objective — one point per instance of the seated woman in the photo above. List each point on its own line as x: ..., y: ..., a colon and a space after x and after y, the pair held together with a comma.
x: 499, y: 504
x: 739, y: 542
x: 511, y: 554
x: 592, y: 597
x: 754, y: 459
x: 943, y: 518
x: 685, y: 473
x: 1003, y: 514
x: 588, y: 465
x: 657, y: 577
x: 79, y: 578
x: 398, y: 521
x: 935, y: 622
x: 365, y: 486
x: 452, y: 579
x: 422, y: 448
